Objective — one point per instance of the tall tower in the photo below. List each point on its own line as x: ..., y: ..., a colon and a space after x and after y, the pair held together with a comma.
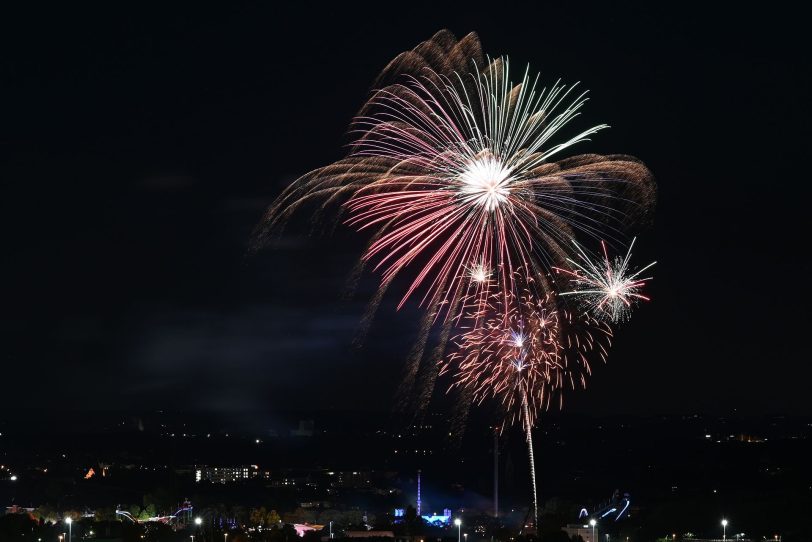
x: 418, y: 492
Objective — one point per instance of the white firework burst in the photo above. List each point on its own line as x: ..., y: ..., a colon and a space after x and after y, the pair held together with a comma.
x: 607, y: 287
x: 479, y: 272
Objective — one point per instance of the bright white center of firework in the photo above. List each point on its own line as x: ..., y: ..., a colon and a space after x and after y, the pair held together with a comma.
x: 479, y: 273
x: 485, y: 182
x: 518, y: 339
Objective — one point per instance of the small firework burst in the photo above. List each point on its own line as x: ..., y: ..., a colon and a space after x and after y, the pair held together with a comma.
x: 508, y: 349
x: 607, y: 288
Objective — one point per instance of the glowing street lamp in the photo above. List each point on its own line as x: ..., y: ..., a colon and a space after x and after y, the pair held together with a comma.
x: 198, y: 523
x: 592, y: 524
x: 724, y: 529
x: 458, y: 523
x: 69, y: 521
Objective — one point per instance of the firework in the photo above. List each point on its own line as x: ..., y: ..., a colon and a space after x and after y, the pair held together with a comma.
x: 451, y: 168
x: 510, y: 352
x: 607, y: 288
x: 522, y: 349
x: 456, y: 171
x: 508, y: 349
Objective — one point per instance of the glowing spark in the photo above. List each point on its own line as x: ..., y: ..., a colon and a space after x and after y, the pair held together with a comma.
x: 519, y: 364
x: 518, y: 339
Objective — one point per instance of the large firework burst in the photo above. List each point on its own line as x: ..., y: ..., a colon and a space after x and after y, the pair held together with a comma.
x: 451, y: 168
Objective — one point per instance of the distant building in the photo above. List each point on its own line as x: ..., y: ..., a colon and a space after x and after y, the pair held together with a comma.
x: 349, y: 479
x: 749, y: 438
x: 225, y: 475
x: 315, y: 504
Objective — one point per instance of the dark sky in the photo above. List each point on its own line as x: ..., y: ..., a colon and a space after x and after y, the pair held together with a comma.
x: 138, y: 147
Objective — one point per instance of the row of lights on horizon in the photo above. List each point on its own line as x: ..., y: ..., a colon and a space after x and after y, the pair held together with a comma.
x: 69, y: 523
x: 592, y: 523
x: 457, y: 521
x: 724, y: 531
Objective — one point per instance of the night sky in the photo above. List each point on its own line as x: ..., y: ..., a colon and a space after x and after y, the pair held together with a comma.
x: 139, y: 147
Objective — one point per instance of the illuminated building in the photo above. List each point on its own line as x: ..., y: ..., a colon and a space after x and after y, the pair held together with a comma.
x: 224, y: 475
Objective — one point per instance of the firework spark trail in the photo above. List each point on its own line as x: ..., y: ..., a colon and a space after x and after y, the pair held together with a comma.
x: 405, y: 391
x: 607, y: 288
x: 369, y: 315
x: 529, y: 436
x: 430, y: 369
x: 351, y: 285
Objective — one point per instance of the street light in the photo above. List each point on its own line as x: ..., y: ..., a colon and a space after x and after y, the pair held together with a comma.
x: 69, y: 521
x: 458, y: 523
x: 592, y: 523
x: 198, y: 521
x: 724, y: 529
x: 225, y: 537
